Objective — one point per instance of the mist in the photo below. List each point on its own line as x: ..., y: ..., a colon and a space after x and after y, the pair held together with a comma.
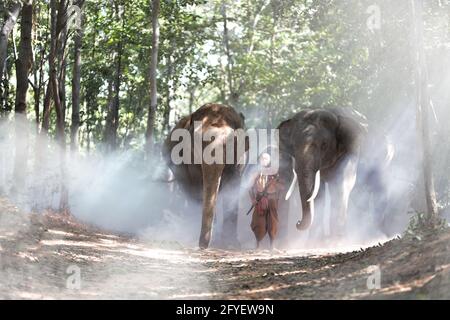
x: 119, y: 191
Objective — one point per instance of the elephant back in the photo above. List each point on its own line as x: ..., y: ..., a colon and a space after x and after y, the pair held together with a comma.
x: 218, y: 115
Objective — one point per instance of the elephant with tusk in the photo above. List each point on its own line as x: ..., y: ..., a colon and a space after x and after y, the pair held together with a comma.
x: 203, y: 180
x: 320, y: 146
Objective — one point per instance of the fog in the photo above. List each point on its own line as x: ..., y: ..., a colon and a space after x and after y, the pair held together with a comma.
x: 122, y: 192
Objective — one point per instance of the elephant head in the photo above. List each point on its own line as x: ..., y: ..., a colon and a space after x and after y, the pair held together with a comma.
x: 203, y: 180
x: 314, y: 140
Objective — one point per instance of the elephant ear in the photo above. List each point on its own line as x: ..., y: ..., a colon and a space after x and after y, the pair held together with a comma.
x: 285, y: 134
x: 350, y: 132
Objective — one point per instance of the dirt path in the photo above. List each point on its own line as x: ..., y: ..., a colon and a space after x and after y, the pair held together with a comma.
x: 54, y: 257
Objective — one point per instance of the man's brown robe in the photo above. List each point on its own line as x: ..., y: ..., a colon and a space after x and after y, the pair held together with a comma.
x: 265, y: 213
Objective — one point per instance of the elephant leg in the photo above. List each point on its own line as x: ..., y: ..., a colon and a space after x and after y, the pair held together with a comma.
x: 230, y: 191
x: 340, y: 188
x: 211, y: 181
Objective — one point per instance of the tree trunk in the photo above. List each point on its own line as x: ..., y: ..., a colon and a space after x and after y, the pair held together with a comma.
x: 10, y: 21
x: 23, y: 67
x: 5, y: 105
x: 109, y: 123
x: 7, y: 27
x: 168, y: 89
x: 233, y: 97
x: 76, y: 78
x: 423, y: 107
x: 55, y: 65
x: 112, y: 119
x: 38, y: 81
x: 48, y: 93
x: 38, y: 70
x: 63, y: 34
x: 191, y: 99
x: 152, y: 77
x: 25, y: 59
x: 59, y: 11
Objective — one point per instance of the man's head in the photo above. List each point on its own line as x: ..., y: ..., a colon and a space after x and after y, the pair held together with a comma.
x: 264, y: 160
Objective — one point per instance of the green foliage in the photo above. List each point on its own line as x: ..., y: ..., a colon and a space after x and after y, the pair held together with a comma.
x: 284, y: 56
x: 420, y: 224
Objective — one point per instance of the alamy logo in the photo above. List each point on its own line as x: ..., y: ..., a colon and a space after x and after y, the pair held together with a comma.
x: 374, y: 280
x: 73, y: 281
x: 374, y: 20
x: 224, y: 146
x: 74, y: 16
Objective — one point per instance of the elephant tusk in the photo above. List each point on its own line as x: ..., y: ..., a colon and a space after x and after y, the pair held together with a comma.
x: 292, y: 186
x: 316, y: 187
x: 389, y: 154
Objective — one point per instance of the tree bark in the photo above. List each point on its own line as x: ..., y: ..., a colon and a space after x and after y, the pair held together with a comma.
x: 423, y: 107
x: 48, y: 93
x: 168, y: 89
x: 58, y: 39
x: 112, y: 119
x: 233, y: 96
x: 5, y: 105
x: 55, y: 65
x: 10, y: 21
x: 23, y: 67
x: 38, y: 70
x: 7, y: 27
x: 76, y: 87
x: 25, y: 59
x: 152, y: 76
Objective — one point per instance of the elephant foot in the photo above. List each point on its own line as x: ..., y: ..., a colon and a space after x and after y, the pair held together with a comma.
x: 203, y: 243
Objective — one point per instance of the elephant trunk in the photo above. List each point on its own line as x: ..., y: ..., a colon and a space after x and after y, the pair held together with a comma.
x: 309, y: 185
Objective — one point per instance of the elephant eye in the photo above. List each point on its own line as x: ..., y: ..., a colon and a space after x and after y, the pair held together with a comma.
x: 324, y: 146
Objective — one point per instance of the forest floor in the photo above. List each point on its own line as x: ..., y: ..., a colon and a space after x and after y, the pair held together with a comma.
x: 51, y: 256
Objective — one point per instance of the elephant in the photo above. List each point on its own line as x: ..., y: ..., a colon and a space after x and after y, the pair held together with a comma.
x: 203, y: 180
x: 317, y: 146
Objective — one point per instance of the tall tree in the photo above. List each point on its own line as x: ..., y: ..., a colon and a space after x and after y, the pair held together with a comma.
x: 23, y: 67
x: 56, y: 69
x: 423, y: 108
x: 7, y: 27
x: 169, y: 90
x: 51, y: 61
x: 152, y: 76
x: 10, y: 20
x: 56, y: 65
x: 25, y: 59
x: 76, y: 87
x: 233, y: 96
x: 40, y: 49
x: 112, y: 119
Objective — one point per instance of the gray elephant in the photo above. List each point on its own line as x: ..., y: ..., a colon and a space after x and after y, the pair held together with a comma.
x: 203, y: 181
x: 318, y: 146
